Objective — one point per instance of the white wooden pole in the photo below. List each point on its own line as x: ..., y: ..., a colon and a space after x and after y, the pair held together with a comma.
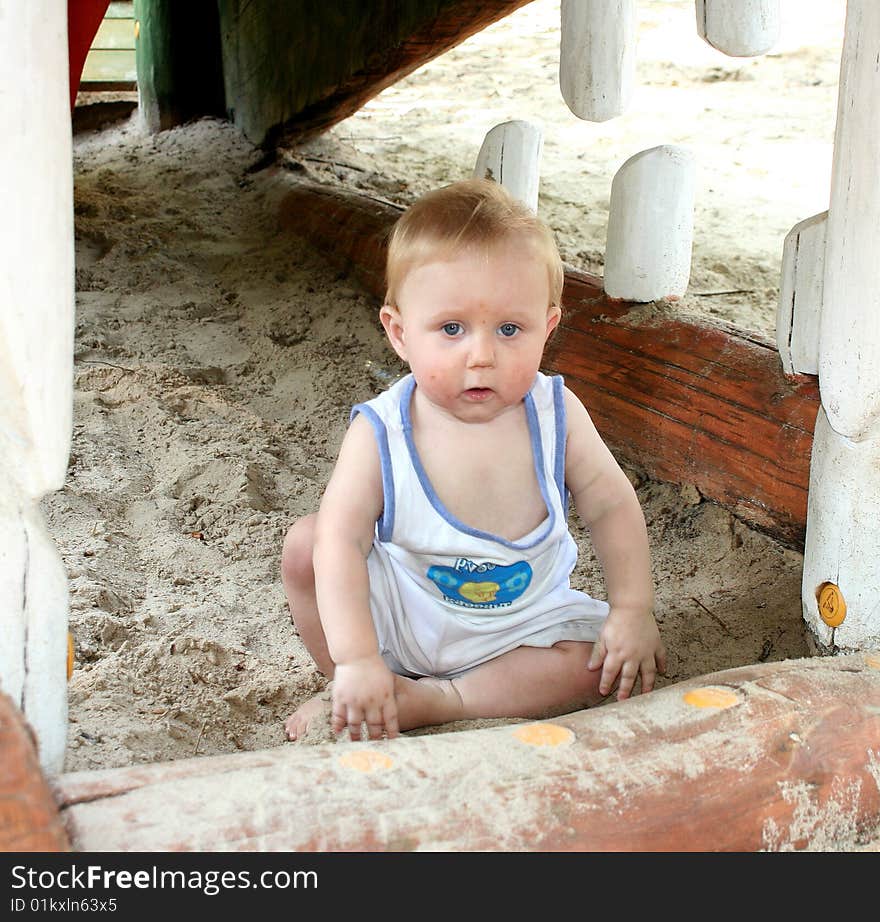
x: 36, y: 357
x: 597, y: 57
x: 739, y: 28
x: 842, y: 548
x: 511, y: 155
x: 650, y: 230
x: 800, y: 296
x: 849, y: 361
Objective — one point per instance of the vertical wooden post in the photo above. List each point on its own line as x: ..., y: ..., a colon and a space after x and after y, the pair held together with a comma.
x: 842, y: 550
x: 36, y: 359
x: 800, y: 296
x: 597, y: 57
x: 739, y: 28
x: 179, y: 61
x: 650, y: 226
x: 511, y: 155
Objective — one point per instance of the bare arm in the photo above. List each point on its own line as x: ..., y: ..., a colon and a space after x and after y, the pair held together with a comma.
x: 630, y: 644
x: 363, y: 686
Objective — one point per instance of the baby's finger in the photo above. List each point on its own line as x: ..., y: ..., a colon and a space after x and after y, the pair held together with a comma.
x: 627, y: 680
x: 597, y: 656
x: 649, y: 676
x: 338, y: 719
x: 610, y: 669
x: 389, y: 715
x: 355, y: 720
x: 375, y: 723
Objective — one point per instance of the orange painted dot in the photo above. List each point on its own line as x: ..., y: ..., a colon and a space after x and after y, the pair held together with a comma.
x: 709, y: 697
x: 832, y: 606
x: 544, y: 735
x: 872, y: 659
x: 366, y: 760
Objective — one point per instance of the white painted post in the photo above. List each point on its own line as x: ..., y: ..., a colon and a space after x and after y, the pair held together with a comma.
x: 843, y: 538
x: 842, y: 549
x: 36, y: 358
x: 800, y: 296
x: 511, y: 155
x: 650, y: 231
x: 739, y: 28
x: 597, y: 57
x: 849, y: 364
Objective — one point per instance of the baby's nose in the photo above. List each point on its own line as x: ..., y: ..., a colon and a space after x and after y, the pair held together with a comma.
x: 482, y: 351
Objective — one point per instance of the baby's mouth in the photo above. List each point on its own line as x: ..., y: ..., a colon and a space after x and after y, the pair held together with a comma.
x: 478, y: 393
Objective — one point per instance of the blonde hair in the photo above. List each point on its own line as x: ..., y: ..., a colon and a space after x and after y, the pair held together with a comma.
x: 469, y: 213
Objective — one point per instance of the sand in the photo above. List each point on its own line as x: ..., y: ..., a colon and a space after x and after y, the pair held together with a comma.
x: 216, y: 360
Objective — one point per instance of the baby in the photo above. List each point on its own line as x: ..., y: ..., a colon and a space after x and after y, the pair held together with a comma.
x: 432, y: 585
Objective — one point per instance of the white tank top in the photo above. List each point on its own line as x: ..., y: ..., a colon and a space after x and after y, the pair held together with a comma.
x: 468, y: 595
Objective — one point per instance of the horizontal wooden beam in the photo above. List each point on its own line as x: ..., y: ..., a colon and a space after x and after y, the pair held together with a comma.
x: 686, y: 401
x: 769, y: 757
x: 294, y: 70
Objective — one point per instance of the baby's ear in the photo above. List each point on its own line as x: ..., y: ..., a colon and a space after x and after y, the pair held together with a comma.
x: 554, y: 315
x: 389, y: 315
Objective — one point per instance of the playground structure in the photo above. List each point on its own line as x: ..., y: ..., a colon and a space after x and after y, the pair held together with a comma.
x: 769, y: 413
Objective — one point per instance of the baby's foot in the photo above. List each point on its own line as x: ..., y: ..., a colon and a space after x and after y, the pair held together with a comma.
x: 312, y: 716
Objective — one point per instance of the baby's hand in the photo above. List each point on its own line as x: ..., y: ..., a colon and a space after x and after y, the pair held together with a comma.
x: 363, y: 692
x: 629, y: 646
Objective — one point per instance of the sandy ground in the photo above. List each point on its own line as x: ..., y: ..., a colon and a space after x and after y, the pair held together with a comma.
x: 216, y: 360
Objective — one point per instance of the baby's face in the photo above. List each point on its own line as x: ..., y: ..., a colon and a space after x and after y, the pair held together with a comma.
x: 472, y: 329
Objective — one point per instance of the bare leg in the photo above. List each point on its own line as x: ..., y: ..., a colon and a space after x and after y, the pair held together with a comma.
x: 525, y: 682
x: 532, y: 682
x: 298, y: 578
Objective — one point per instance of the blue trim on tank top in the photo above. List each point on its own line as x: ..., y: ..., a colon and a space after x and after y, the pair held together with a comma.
x: 561, y: 429
x: 527, y: 541
x: 385, y: 523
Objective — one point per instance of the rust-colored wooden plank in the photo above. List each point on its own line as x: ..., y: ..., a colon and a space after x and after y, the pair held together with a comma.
x: 29, y: 820
x: 692, y: 403
x: 687, y: 401
x: 773, y: 756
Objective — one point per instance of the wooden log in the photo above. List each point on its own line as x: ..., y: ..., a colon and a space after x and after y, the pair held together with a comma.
x: 849, y: 357
x: 29, y: 819
x: 687, y: 402
x: 651, y: 226
x: 297, y: 69
x: 740, y: 28
x: 800, y: 296
x: 597, y: 57
x: 771, y: 757
x: 511, y: 155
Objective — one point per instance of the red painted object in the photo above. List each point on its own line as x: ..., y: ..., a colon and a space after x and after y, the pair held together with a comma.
x: 83, y: 19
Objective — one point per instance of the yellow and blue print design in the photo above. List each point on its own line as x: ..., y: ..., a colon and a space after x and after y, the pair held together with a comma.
x: 481, y: 585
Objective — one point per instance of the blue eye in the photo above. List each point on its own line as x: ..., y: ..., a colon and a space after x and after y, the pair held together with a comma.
x: 508, y: 329
x: 452, y: 329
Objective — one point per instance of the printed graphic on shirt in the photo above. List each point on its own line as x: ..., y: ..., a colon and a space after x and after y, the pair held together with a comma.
x: 481, y: 585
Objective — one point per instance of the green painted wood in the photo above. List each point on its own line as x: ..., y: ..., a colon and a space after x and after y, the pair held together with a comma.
x: 179, y: 69
x: 280, y: 67
x: 299, y: 67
